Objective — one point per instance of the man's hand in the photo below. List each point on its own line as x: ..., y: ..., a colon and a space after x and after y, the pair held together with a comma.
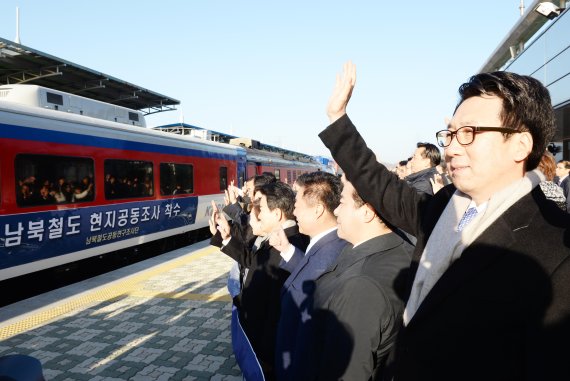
x: 230, y: 194
x: 279, y: 240
x: 342, y: 92
x: 218, y: 222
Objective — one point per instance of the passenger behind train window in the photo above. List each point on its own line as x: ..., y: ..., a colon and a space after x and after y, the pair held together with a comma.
x: 122, y: 179
x: 176, y: 179
x: 49, y: 179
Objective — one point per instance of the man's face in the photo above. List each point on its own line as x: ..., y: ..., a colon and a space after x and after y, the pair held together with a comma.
x: 268, y: 219
x: 489, y: 163
x: 305, y: 212
x: 561, y: 170
x: 419, y: 162
x: 254, y: 223
x: 347, y: 213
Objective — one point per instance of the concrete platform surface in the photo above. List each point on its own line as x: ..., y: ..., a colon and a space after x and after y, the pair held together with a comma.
x: 167, y: 318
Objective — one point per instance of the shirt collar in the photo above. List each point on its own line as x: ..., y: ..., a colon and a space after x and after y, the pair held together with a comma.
x: 316, y: 238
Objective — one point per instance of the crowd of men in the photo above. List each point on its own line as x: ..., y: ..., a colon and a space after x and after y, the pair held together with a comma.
x: 454, y: 274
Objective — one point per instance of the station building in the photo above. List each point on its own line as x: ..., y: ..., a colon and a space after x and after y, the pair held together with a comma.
x: 538, y: 45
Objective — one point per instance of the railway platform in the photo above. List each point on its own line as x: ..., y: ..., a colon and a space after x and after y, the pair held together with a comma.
x: 166, y: 318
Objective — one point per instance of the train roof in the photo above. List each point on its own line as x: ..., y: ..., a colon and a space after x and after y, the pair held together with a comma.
x: 20, y: 64
x: 251, y: 145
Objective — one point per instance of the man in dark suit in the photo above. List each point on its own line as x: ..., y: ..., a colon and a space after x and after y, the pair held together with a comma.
x: 355, y: 311
x: 258, y: 303
x: 425, y: 160
x: 318, y: 194
x: 489, y: 296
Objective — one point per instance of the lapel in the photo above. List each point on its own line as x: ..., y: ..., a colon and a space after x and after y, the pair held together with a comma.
x: 486, y: 249
x: 307, y: 258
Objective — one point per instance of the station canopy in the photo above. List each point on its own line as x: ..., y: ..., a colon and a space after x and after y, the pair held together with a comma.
x: 20, y: 64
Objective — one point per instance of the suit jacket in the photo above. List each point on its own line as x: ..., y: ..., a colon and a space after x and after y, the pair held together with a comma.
x: 308, y: 268
x: 355, y: 313
x: 258, y: 302
x: 565, y: 185
x: 502, y: 310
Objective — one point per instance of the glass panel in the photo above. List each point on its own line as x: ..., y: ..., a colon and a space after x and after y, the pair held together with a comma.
x: 176, y: 178
x: 46, y: 179
x: 128, y: 179
x: 223, y: 178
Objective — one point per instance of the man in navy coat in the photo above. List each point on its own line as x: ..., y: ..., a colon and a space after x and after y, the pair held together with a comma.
x: 318, y: 194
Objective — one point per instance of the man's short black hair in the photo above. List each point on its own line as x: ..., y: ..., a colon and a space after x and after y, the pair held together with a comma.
x: 321, y: 187
x: 432, y: 152
x: 279, y: 195
x: 263, y: 179
x: 526, y: 106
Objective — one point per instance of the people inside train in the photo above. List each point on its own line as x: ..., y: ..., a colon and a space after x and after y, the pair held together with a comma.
x: 258, y: 303
x: 488, y: 287
x: 45, y: 197
x: 178, y: 190
x: 147, y: 188
x: 110, y: 186
x: 80, y: 194
x: 318, y: 195
x: 354, y: 309
x: 25, y: 195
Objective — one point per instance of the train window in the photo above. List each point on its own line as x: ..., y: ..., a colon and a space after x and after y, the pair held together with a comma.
x: 133, y: 116
x: 223, y: 178
x: 241, y: 177
x: 46, y: 179
x: 176, y: 178
x: 54, y: 98
x: 289, y: 181
x: 128, y: 179
x: 278, y: 174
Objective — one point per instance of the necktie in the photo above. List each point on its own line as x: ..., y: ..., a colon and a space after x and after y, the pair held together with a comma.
x: 467, y: 217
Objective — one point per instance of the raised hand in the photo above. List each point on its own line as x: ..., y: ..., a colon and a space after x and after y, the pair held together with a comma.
x: 279, y: 240
x: 219, y: 222
x: 342, y: 92
x: 233, y: 192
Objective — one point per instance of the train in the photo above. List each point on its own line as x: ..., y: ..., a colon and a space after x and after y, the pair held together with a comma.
x: 81, y: 178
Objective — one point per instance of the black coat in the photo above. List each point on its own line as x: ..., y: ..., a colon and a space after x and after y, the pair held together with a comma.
x: 259, y: 301
x: 502, y: 310
x: 355, y: 313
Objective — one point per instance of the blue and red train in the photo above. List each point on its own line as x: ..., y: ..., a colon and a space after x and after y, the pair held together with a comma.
x: 80, y: 178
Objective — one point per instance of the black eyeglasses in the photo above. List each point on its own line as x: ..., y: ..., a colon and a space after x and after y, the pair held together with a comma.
x: 466, y: 134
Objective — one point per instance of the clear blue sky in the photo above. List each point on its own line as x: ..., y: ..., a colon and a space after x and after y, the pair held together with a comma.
x: 265, y: 69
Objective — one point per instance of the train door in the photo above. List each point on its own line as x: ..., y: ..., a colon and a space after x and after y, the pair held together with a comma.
x: 241, y: 170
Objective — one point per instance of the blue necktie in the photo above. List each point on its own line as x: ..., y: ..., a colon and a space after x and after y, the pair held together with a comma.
x: 467, y: 217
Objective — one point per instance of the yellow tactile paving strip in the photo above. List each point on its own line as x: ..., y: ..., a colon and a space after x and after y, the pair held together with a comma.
x: 129, y: 286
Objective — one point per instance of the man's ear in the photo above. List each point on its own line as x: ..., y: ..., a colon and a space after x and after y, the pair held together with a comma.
x: 319, y: 210
x: 278, y: 213
x: 523, y: 146
x: 368, y: 213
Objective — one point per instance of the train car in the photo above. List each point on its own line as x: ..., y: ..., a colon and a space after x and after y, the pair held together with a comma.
x: 80, y: 178
x: 285, y: 164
